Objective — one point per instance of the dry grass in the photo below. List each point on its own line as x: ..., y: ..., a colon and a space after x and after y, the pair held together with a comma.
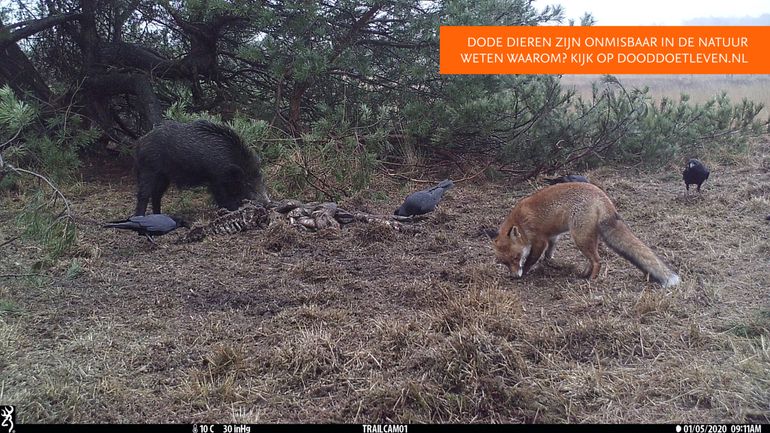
x: 375, y: 326
x: 699, y: 87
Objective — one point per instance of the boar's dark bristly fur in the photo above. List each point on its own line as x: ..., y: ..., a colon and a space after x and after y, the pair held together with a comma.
x: 195, y: 154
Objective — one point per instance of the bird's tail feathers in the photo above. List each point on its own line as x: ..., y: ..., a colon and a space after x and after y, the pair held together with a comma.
x: 118, y: 225
x: 124, y: 220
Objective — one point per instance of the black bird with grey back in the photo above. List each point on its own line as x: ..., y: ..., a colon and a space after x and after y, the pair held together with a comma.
x: 422, y: 202
x: 694, y: 174
x: 149, y: 225
x: 567, y: 178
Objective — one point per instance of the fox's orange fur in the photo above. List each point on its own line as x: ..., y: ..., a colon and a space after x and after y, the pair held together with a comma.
x: 583, y: 210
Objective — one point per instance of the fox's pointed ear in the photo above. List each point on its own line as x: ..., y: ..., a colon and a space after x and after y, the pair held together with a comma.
x: 491, y: 233
x: 514, y: 233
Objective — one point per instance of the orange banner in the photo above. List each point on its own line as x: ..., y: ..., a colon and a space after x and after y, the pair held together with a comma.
x: 605, y: 50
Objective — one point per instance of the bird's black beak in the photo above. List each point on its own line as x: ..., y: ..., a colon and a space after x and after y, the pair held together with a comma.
x: 181, y: 222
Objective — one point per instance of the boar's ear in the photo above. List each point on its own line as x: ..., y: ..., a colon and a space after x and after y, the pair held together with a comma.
x: 491, y: 233
x: 236, y: 173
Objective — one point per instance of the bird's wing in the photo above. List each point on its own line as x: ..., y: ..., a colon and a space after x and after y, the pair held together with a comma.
x: 436, y: 195
x: 417, y: 203
x: 155, y: 222
x: 130, y: 225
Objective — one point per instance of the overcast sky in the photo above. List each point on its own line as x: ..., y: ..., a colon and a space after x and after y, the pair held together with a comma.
x: 667, y: 12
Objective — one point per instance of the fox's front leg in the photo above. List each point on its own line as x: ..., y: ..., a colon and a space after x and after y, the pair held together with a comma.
x: 548, y: 260
x: 534, y: 255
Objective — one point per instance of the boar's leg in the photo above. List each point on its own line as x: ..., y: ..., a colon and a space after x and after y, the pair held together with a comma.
x: 158, y: 189
x: 145, y: 182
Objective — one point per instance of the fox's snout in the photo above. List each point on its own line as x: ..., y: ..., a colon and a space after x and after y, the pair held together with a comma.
x: 515, y: 272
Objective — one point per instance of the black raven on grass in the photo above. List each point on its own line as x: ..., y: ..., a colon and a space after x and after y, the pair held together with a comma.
x: 422, y: 202
x: 694, y: 174
x: 149, y: 225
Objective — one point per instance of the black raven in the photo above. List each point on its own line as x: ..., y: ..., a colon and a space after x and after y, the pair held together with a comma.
x: 567, y: 178
x: 149, y: 225
x: 694, y: 174
x: 422, y: 202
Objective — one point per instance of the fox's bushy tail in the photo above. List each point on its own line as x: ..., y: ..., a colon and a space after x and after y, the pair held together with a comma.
x: 616, y: 234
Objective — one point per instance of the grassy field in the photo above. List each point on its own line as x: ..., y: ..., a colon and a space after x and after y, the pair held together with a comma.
x: 699, y: 87
x: 372, y: 325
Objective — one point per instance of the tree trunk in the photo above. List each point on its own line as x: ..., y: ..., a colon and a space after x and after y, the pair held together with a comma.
x: 100, y: 88
x: 17, y: 71
x: 295, y: 108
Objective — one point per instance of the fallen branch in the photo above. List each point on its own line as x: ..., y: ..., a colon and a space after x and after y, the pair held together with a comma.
x: 9, y: 241
x: 57, y: 193
x: 401, y: 176
x: 24, y: 275
x: 424, y: 181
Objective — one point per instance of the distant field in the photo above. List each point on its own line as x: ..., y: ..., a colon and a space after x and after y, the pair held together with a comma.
x: 699, y: 87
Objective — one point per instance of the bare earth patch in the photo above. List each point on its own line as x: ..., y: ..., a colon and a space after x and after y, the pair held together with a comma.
x: 380, y: 326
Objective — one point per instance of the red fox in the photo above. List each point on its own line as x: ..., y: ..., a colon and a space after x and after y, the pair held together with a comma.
x: 535, y: 223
